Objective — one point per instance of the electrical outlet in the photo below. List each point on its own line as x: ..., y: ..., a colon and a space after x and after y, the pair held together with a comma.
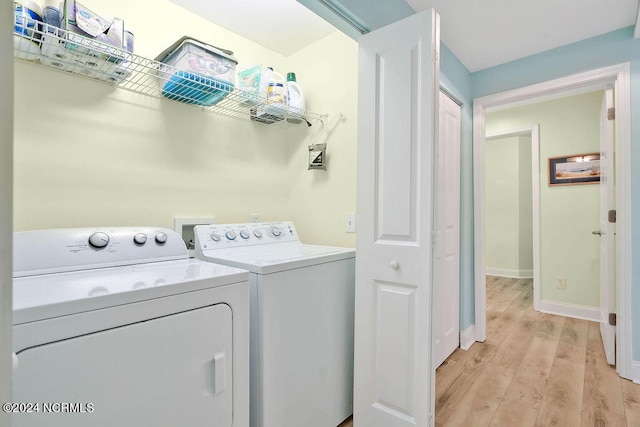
x: 255, y: 217
x: 561, y: 282
x: 351, y: 223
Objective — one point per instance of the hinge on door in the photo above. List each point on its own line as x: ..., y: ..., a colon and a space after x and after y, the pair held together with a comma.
x: 434, y: 239
x: 612, y: 319
x: 435, y: 55
x: 612, y: 216
x: 611, y: 113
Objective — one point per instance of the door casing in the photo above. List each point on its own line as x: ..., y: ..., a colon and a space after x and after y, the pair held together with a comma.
x: 618, y: 76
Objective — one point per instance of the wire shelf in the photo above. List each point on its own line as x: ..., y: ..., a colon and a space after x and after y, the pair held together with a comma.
x: 52, y: 47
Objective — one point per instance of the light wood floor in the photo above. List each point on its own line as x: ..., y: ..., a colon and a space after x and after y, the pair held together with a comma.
x: 534, y: 369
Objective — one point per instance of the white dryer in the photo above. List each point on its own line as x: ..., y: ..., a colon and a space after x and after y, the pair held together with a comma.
x: 302, y: 302
x: 118, y: 327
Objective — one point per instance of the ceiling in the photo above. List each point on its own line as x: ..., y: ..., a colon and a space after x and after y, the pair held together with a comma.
x: 284, y: 26
x: 481, y: 34
x: 491, y: 32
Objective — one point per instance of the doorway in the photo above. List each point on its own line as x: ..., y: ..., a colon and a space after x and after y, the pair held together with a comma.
x: 617, y: 77
x: 513, y: 200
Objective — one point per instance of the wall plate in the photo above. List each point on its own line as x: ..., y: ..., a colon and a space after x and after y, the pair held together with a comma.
x: 184, y: 227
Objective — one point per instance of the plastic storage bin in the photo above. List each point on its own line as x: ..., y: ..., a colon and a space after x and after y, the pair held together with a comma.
x: 196, y: 73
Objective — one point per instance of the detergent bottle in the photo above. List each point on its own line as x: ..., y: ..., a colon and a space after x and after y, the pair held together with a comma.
x: 296, y: 102
x: 277, y: 98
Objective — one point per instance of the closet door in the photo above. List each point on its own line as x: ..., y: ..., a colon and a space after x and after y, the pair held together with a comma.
x: 398, y: 92
x: 446, y: 270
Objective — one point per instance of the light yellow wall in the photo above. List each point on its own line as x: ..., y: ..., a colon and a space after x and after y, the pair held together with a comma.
x: 88, y: 154
x: 328, y: 71
x: 569, y: 213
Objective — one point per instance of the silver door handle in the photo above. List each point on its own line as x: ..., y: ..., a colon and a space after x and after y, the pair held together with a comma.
x: 599, y: 233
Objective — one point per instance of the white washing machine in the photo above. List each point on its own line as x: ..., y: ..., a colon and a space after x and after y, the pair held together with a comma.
x: 302, y: 302
x: 118, y: 327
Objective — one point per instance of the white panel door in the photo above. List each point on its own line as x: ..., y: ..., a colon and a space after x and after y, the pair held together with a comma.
x: 446, y: 269
x: 398, y: 91
x: 607, y: 229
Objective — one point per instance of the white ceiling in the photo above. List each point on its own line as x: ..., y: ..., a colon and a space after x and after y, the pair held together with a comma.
x: 480, y: 33
x: 284, y: 26
x: 491, y: 32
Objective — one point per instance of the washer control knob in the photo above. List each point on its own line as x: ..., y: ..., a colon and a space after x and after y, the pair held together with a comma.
x: 257, y: 233
x: 231, y: 235
x: 140, y: 238
x: 245, y: 234
x: 276, y: 231
x: 161, y: 238
x: 99, y: 240
x: 215, y: 237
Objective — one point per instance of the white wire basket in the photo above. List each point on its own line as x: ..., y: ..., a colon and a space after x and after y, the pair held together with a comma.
x: 52, y: 47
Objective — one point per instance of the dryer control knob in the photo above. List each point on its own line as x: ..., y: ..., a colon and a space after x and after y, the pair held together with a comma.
x: 231, y: 235
x: 257, y: 233
x: 99, y: 240
x: 140, y: 238
x: 215, y: 237
x: 276, y: 231
x: 245, y: 234
x: 161, y: 238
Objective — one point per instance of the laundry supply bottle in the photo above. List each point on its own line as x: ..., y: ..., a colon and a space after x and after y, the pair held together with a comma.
x: 27, y: 16
x: 277, y: 98
x: 295, y: 98
x: 265, y: 78
x: 261, y: 113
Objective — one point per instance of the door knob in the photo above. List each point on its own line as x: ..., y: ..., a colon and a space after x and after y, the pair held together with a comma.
x: 394, y: 264
x: 598, y: 232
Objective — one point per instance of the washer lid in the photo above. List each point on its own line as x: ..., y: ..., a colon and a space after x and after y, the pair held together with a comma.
x: 272, y: 258
x: 59, y: 294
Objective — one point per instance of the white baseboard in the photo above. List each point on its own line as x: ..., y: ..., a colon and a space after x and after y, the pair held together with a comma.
x: 467, y: 337
x: 570, y: 310
x: 635, y: 371
x: 514, y: 274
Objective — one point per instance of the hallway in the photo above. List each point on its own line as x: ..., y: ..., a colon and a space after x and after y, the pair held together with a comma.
x: 535, y: 369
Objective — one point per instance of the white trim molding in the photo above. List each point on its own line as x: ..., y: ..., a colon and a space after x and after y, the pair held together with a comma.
x: 635, y: 367
x: 571, y: 310
x: 467, y: 337
x: 514, y: 274
x: 617, y: 76
x: 636, y: 33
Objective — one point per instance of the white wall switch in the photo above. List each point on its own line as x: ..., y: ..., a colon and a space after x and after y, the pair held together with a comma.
x: 351, y: 223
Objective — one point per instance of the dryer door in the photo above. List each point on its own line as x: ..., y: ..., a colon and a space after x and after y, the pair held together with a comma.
x: 169, y: 371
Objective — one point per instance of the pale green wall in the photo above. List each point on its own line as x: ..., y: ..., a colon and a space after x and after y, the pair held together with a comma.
x: 525, y: 198
x: 509, y: 238
x: 88, y: 154
x: 568, y: 214
x: 502, y: 229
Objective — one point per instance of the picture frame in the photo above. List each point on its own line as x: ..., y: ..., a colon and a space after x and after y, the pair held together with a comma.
x: 576, y: 169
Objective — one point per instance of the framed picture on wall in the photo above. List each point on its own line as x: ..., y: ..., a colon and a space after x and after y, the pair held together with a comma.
x: 575, y: 169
